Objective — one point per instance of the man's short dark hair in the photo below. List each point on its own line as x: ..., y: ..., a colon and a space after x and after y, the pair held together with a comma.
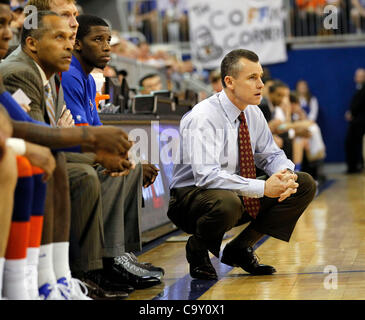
x: 277, y: 84
x: 230, y: 65
x: 122, y: 72
x: 147, y: 76
x: 86, y: 21
x: 38, y: 32
x: 293, y: 98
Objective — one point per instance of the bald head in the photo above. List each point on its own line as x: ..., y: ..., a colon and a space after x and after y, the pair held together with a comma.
x: 359, y: 76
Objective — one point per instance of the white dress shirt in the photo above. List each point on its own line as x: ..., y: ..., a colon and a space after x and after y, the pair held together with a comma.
x: 208, y: 156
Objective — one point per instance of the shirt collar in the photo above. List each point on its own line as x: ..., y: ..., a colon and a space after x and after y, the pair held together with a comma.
x: 43, y: 75
x: 76, y: 64
x: 229, y: 108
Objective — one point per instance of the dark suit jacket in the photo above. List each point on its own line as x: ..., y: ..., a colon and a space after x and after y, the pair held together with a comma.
x: 20, y: 71
x: 357, y: 106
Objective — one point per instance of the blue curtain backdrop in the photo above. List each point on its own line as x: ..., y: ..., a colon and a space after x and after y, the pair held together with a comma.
x: 329, y: 73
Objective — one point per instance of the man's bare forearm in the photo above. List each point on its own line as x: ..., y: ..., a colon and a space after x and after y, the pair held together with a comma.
x: 54, y: 137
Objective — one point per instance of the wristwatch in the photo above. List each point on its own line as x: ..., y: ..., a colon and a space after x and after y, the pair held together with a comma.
x: 290, y: 170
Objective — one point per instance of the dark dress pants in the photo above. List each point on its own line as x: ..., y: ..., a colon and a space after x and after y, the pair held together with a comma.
x: 354, y: 145
x: 209, y: 213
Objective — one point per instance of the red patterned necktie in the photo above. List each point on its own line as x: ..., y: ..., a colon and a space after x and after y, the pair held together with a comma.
x: 247, y: 164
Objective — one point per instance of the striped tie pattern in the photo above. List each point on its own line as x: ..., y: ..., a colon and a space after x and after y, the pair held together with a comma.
x: 50, y: 105
x: 247, y: 164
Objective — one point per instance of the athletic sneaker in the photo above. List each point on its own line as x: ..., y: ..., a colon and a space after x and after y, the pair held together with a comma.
x: 53, y: 292
x: 146, y: 265
x: 135, y: 267
x: 75, y: 289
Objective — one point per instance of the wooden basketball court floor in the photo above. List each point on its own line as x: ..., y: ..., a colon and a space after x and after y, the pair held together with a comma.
x: 325, y: 258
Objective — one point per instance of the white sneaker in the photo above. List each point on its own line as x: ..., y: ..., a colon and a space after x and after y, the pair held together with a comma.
x: 53, y: 292
x: 75, y: 289
x: 78, y: 290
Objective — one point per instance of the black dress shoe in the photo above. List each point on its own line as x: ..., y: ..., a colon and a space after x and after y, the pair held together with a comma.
x: 200, y: 266
x: 246, y: 259
x: 116, y: 272
x: 103, y: 281
x: 100, y: 288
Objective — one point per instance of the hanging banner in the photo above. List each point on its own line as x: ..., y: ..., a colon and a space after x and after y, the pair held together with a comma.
x: 220, y: 26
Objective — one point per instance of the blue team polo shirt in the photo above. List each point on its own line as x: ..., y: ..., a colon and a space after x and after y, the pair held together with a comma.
x: 80, y: 91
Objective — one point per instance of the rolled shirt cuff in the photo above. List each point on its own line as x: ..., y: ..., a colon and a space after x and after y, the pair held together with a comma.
x: 255, y: 189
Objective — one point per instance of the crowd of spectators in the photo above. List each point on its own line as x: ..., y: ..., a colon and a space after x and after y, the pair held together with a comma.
x: 308, y: 17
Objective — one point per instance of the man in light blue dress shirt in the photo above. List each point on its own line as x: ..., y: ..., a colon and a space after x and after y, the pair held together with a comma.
x: 206, y: 197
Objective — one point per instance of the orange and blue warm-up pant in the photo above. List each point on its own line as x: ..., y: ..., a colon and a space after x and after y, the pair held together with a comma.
x: 27, y: 218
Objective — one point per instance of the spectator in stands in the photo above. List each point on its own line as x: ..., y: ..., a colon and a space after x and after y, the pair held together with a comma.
x: 309, y: 150
x: 109, y: 71
x: 358, y: 14
x: 150, y: 82
x: 145, y: 55
x: 121, y: 210
x: 174, y: 15
x: 309, y: 17
x: 308, y: 102
x: 123, y: 47
x: 356, y: 128
x: 122, y: 75
x: 275, y: 116
x: 143, y: 17
x: 215, y: 81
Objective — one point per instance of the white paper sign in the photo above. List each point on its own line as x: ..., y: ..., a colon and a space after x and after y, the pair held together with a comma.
x: 220, y: 26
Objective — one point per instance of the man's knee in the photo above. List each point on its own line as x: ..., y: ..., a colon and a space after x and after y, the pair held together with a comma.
x: 134, y: 177
x: 86, y: 181
x: 307, y: 185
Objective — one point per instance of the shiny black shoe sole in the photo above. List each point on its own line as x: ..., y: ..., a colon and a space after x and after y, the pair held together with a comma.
x: 120, y: 275
x: 96, y: 293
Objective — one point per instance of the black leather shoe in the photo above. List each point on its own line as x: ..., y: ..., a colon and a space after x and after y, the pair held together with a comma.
x: 200, y: 266
x: 100, y: 288
x: 246, y: 259
x: 116, y: 272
